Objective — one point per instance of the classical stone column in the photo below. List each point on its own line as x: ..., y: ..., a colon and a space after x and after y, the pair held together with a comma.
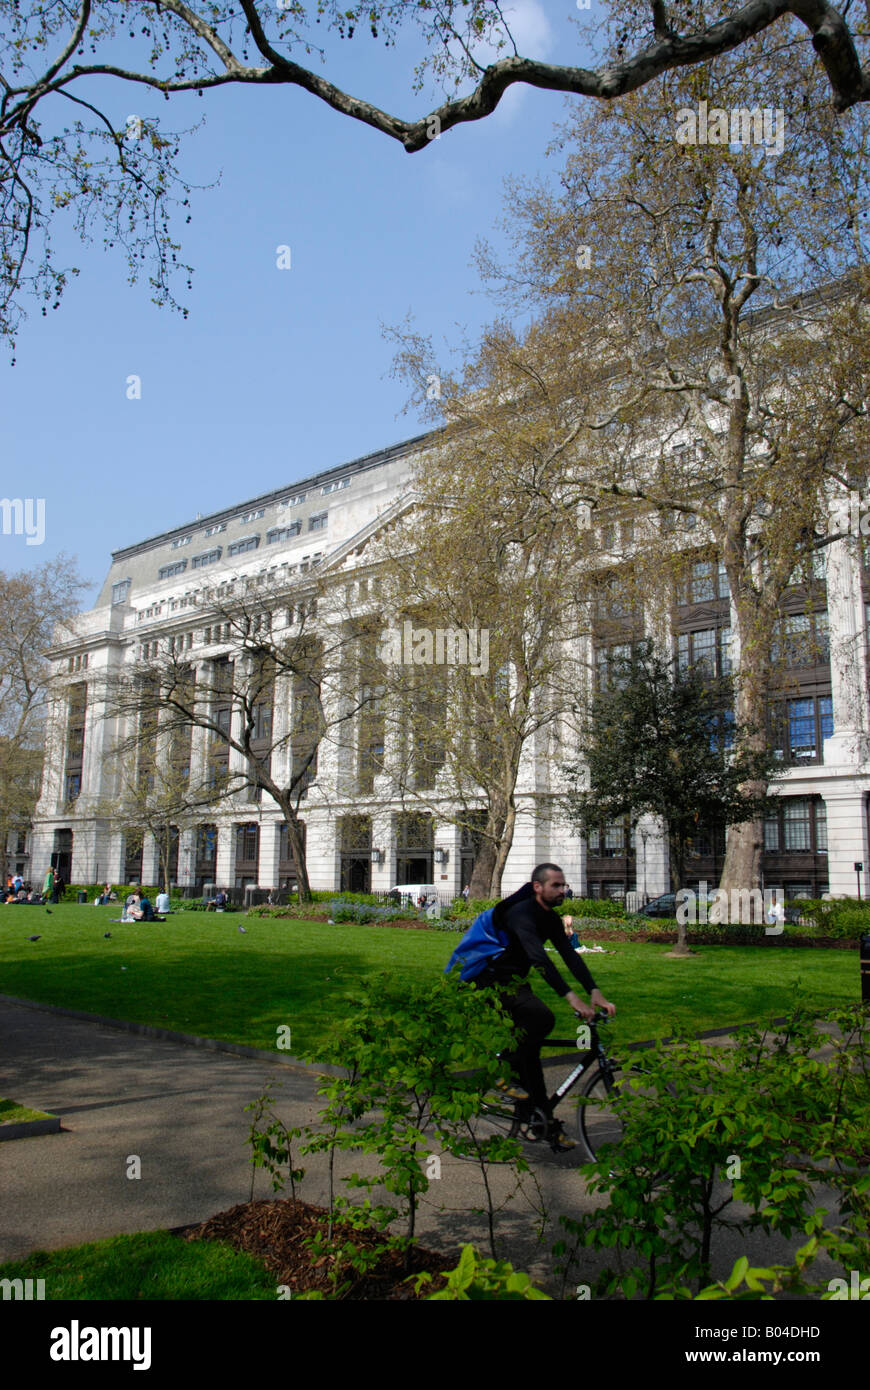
x: 152, y: 872
x: 187, y: 857
x: 850, y: 744
x: 225, y: 872
x: 270, y: 852
x: 846, y: 807
x: 448, y: 837
x: 384, y: 839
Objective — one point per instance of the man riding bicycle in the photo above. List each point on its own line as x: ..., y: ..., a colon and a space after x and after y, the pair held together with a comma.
x: 528, y: 918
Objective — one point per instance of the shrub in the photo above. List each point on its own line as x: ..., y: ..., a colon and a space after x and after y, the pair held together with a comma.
x: 342, y: 911
x: 470, y: 907
x: 476, y: 1278
x: 593, y: 907
x: 755, y: 1131
x: 847, y: 924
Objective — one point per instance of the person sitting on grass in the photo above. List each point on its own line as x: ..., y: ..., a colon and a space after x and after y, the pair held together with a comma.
x: 144, y: 910
x: 131, y: 907
x: 162, y: 904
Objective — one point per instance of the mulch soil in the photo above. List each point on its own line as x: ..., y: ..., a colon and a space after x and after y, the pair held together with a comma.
x: 278, y: 1232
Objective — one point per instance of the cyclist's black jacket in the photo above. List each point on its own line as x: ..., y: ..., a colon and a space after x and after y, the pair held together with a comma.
x: 528, y: 926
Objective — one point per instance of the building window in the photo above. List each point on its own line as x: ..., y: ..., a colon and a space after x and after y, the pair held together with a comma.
x: 801, y: 726
x: 802, y: 639
x: 181, y: 540
x: 169, y: 571
x: 796, y: 825
x: 251, y: 516
x: 334, y: 487
x: 283, y: 533
x: 771, y: 834
x: 241, y: 547
x: 209, y: 557
x: 247, y: 844
x: 708, y: 649
x: 295, y: 501
x: 613, y: 599
x: 121, y: 591
x: 614, y: 841
x: 318, y: 522
x: 821, y: 827
x: 215, y: 530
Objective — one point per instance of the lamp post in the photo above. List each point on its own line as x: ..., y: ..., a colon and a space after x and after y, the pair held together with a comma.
x: 859, y: 869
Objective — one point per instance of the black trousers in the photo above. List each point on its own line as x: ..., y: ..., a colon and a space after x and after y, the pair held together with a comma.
x: 535, y: 1023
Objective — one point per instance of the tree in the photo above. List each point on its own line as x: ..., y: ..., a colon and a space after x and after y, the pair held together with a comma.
x: 263, y: 699
x: 58, y: 60
x: 659, y: 740
x: 703, y: 322
x: 34, y: 604
x: 479, y: 589
x: 156, y: 794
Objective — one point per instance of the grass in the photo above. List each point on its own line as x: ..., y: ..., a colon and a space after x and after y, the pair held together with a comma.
x: 11, y: 1113
x: 196, y: 973
x: 150, y: 1266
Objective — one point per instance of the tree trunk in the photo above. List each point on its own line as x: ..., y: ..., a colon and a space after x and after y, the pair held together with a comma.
x: 504, y: 848
x: 745, y: 843
x: 294, y: 837
x: 676, y: 856
x: 486, y: 857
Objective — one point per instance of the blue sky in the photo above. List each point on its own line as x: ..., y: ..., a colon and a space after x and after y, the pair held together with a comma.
x: 275, y: 374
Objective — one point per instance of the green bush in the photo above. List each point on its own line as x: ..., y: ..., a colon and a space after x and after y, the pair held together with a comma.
x: 476, y: 1278
x: 593, y: 907
x: 825, y: 914
x: 848, y: 924
x: 342, y: 911
x: 93, y: 890
x: 470, y: 907
x: 740, y: 1139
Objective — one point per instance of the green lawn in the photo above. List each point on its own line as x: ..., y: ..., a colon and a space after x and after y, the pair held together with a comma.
x: 198, y: 973
x: 153, y: 1265
x: 11, y: 1113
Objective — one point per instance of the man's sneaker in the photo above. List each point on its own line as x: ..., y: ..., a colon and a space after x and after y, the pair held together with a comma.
x: 558, y: 1139
x: 511, y: 1090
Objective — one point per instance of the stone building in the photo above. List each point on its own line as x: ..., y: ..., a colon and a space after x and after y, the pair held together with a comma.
x: 358, y: 838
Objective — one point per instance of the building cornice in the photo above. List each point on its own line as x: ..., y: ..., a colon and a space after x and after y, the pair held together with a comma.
x: 226, y: 514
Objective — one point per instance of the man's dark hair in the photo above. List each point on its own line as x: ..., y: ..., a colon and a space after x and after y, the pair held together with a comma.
x: 542, y: 872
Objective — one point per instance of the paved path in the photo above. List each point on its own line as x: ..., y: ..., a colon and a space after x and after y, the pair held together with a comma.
x: 181, y: 1111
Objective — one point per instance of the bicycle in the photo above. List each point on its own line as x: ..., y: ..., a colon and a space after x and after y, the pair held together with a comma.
x: 597, y: 1124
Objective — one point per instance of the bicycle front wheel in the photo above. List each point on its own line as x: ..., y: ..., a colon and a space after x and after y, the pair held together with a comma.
x: 596, y: 1121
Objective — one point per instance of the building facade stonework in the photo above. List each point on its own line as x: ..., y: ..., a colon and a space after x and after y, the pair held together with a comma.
x: 357, y: 837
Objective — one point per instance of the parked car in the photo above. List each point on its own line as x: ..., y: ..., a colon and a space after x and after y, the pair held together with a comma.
x: 664, y: 906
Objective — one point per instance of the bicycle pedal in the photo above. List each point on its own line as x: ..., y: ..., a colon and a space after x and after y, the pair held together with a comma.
x: 559, y: 1141
x: 511, y: 1090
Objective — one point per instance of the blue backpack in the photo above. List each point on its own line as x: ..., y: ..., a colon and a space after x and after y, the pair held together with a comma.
x: 481, y: 943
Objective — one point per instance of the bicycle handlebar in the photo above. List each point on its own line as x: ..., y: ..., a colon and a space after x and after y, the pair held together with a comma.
x: 601, y: 1016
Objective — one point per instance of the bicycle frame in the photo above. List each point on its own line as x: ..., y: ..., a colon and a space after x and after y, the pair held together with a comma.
x: 596, y: 1053
x: 531, y: 1121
